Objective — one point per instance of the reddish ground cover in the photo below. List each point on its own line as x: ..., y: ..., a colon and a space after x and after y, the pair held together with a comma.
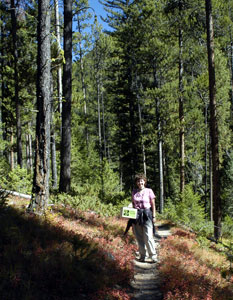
x: 192, y: 273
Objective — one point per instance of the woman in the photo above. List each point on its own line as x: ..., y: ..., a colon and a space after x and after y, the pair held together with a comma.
x: 143, y: 200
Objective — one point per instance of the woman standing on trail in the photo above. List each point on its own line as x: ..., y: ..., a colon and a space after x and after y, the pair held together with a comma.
x: 143, y: 200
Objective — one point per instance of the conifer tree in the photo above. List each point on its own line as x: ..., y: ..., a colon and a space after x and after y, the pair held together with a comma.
x: 217, y: 209
x: 81, y: 46
x: 227, y: 183
x: 123, y: 17
x: 16, y: 82
x: 58, y: 40
x: 40, y: 189
x: 65, y: 172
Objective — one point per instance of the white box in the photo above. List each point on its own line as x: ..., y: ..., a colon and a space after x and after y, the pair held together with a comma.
x: 129, y: 212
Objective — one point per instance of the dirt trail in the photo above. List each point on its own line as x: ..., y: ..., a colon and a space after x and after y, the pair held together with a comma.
x: 146, y: 281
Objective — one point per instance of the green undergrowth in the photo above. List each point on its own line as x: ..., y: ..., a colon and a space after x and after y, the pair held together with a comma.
x: 66, y: 254
x: 83, y: 201
x: 18, y: 180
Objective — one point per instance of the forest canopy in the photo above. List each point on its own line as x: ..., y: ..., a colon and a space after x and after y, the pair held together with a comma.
x: 82, y: 109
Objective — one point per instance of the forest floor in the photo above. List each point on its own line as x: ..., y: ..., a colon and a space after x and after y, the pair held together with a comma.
x: 67, y: 254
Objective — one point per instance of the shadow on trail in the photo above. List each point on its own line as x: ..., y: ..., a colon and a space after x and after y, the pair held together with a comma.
x: 42, y: 261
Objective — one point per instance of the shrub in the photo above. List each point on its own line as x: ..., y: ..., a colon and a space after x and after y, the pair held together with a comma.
x: 227, y: 227
x: 17, y: 180
x: 84, y: 202
x: 170, y: 211
x: 187, y: 210
x: 227, y: 183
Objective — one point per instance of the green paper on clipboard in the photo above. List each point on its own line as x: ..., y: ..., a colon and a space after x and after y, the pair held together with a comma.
x: 129, y: 212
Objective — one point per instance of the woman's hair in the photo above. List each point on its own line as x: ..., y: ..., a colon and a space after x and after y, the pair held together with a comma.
x: 140, y: 176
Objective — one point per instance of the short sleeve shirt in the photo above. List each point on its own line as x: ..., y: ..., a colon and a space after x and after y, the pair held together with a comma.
x: 143, y: 198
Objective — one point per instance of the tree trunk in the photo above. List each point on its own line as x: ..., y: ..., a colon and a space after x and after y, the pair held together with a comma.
x: 133, y: 164
x: 160, y: 146
x: 231, y: 64
x: 1, y: 125
x: 2, y: 88
x: 104, y: 124
x: 141, y: 130
x: 98, y: 90
x: 40, y: 189
x: 181, y: 113
x: 29, y: 152
x: 211, y: 183
x: 217, y: 212
x: 206, y: 155
x: 65, y: 172
x: 160, y: 155
x: 16, y: 85
x: 83, y: 87
x: 53, y: 160
x: 12, y: 154
x: 59, y: 71
x: 59, y: 91
x: 53, y: 142
x: 1, y: 128
x: 99, y: 118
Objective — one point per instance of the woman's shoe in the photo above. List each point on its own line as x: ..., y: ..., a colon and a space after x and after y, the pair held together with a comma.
x: 141, y: 259
x: 154, y: 259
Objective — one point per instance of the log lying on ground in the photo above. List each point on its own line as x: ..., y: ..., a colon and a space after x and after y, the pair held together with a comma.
x: 16, y: 194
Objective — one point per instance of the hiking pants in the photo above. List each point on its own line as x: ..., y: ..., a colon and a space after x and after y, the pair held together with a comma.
x: 144, y: 237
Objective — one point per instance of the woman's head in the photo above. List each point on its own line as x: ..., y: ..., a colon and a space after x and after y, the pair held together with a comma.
x: 139, y: 177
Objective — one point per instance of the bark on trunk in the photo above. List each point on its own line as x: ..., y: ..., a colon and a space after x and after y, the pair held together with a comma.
x: 211, y: 183
x: 53, y: 160
x: 59, y: 71
x: 40, y: 189
x: 83, y: 88
x: 12, y: 154
x: 160, y: 154
x: 65, y: 172
x: 29, y: 152
x: 231, y: 64
x: 160, y: 147
x: 53, y: 143
x: 103, y: 123
x: 206, y: 156
x: 217, y: 213
x: 181, y: 113
x: 132, y: 110
x: 16, y: 85
x: 141, y: 130
x: 99, y: 119
x: 2, y: 89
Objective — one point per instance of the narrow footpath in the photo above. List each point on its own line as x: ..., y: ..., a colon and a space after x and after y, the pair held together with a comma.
x: 146, y: 281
